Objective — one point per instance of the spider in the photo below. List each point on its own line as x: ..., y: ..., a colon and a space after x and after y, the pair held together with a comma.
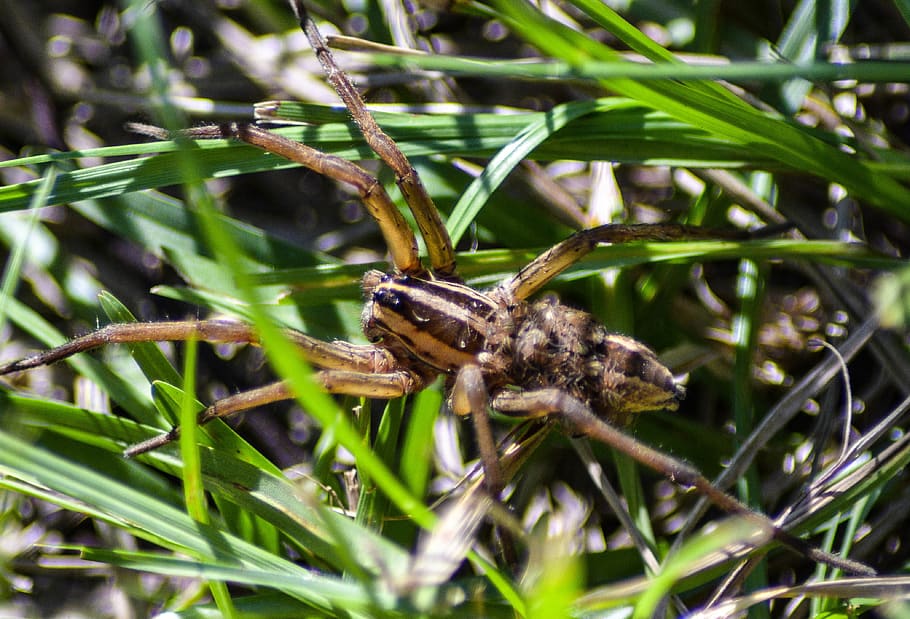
x: 497, y: 349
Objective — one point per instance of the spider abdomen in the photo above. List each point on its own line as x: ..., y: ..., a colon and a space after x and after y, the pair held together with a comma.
x: 555, y: 346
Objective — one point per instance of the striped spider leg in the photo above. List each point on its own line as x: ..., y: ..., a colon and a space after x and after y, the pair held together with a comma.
x: 496, y: 348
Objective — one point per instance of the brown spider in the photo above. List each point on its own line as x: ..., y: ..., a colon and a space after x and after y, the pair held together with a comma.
x: 529, y: 359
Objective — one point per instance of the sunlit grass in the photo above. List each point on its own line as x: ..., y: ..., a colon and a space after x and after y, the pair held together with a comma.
x: 292, y: 546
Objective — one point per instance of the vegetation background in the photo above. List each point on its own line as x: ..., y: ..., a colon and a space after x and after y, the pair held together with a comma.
x: 83, y: 530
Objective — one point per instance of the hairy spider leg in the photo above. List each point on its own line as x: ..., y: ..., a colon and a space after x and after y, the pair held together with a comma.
x: 395, y: 231
x: 435, y: 235
x: 581, y: 420
x: 537, y: 273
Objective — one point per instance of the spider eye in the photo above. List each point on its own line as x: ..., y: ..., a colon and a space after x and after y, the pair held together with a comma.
x: 387, y: 298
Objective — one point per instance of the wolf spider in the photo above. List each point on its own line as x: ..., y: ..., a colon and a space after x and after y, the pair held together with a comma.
x: 496, y: 348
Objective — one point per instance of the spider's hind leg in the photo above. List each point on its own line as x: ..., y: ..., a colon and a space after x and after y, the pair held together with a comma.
x: 581, y: 420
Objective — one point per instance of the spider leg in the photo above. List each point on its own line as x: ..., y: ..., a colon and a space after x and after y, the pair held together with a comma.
x: 385, y: 385
x: 398, y: 236
x: 395, y: 230
x: 435, y: 235
x: 213, y: 331
x: 536, y: 274
x: 323, y: 354
x: 274, y: 392
x: 350, y: 369
x: 581, y: 420
x: 470, y: 397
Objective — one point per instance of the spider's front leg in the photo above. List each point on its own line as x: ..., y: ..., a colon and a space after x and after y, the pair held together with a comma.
x: 438, y: 243
x: 558, y: 258
x: 398, y: 236
x: 344, y: 368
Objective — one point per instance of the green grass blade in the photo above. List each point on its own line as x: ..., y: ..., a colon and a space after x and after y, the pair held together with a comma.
x: 768, y: 135
x: 502, y: 164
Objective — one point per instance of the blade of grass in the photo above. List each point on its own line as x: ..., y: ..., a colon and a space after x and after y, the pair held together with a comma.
x: 719, y: 115
x: 502, y: 164
x: 13, y: 266
x: 628, y: 133
x: 490, y: 266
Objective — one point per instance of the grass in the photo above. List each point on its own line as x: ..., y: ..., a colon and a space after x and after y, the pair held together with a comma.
x: 374, y: 541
